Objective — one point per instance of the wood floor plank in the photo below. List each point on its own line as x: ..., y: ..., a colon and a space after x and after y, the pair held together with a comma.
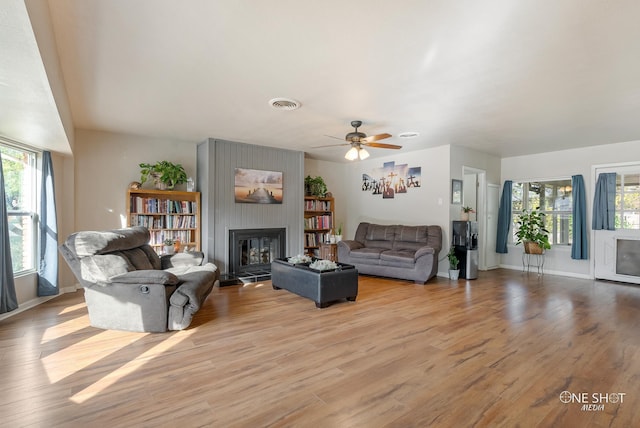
x: 496, y: 351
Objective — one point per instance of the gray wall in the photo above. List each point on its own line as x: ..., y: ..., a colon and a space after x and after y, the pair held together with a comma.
x: 216, y: 162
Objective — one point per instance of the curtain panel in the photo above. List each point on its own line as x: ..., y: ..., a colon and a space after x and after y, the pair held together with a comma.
x: 604, y: 202
x: 504, y: 218
x: 48, y: 267
x: 579, y: 245
x: 8, y: 300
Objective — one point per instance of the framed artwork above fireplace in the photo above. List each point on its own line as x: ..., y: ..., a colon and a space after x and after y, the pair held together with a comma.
x: 255, y: 186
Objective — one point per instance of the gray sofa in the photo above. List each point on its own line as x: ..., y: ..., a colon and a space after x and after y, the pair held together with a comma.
x: 127, y: 286
x: 396, y: 251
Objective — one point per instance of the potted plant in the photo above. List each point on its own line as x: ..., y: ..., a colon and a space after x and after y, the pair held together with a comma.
x: 165, y: 174
x: 465, y: 213
x: 168, y: 246
x: 454, y: 272
x: 315, y: 186
x: 532, y: 232
x: 339, y: 233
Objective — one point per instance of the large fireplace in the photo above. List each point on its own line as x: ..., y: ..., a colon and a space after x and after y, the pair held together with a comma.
x: 251, y: 252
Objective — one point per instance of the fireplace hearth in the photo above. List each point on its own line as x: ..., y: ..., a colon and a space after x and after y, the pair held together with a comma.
x: 251, y: 252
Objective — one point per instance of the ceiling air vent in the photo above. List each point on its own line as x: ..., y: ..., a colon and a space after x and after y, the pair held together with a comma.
x: 409, y: 134
x: 284, y: 104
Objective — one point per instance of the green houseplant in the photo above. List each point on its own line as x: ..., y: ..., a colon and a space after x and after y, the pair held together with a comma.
x: 454, y: 272
x: 164, y: 173
x: 532, y: 232
x: 315, y: 186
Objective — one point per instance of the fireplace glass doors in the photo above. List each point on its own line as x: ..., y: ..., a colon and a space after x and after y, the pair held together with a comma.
x: 253, y: 250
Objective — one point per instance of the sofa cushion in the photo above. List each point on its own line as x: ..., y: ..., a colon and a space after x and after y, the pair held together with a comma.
x: 138, y: 258
x: 147, y: 277
x: 398, y: 258
x: 367, y: 253
x: 100, y: 268
x: 412, y: 233
x: 88, y: 243
x: 380, y: 232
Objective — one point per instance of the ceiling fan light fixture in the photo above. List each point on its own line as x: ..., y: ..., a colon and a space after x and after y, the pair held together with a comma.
x: 284, y: 103
x: 352, y: 154
x: 363, y: 154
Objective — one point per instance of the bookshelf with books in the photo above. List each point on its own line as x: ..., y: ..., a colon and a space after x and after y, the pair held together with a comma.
x: 168, y: 214
x: 318, y: 222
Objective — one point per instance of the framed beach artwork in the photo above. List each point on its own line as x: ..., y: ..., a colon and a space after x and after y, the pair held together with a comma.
x: 255, y: 186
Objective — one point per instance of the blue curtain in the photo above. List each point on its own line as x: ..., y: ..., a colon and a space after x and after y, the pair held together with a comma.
x: 48, y: 270
x: 8, y: 300
x: 579, y: 246
x: 504, y: 218
x: 604, y: 202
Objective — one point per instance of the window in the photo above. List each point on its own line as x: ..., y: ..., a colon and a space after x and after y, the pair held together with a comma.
x: 554, y: 198
x: 628, y: 201
x: 19, y: 167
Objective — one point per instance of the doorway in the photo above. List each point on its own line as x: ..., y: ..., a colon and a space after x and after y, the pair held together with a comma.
x: 476, y: 194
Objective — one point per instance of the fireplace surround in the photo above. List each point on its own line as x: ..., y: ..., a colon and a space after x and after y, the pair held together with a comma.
x: 251, y: 252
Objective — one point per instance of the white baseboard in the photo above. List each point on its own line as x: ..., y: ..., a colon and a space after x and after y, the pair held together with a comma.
x: 38, y: 301
x: 550, y: 272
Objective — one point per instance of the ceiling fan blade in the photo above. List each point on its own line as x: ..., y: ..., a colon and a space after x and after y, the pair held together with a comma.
x: 382, y: 145
x: 375, y: 138
x: 330, y: 145
x: 331, y: 136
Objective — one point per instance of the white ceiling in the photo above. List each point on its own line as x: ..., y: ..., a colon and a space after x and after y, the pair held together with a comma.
x: 505, y: 77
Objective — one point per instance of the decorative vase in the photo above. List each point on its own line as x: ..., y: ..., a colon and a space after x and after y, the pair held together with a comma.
x: 454, y: 274
x: 169, y: 249
x: 464, y: 216
x: 338, y: 238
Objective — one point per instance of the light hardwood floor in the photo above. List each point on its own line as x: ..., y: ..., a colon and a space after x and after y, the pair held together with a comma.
x: 496, y: 351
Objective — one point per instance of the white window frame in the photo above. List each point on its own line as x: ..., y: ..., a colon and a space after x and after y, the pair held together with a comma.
x: 30, y: 217
x: 549, y: 213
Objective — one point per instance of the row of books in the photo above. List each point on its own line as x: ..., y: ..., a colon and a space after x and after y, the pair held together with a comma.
x: 164, y: 222
x: 153, y: 205
x: 318, y: 222
x: 184, y: 236
x: 315, y: 239
x: 313, y: 205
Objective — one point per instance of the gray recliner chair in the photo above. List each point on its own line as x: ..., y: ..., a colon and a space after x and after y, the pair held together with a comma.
x: 127, y: 286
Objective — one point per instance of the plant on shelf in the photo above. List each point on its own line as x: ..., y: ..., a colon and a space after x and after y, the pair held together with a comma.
x: 465, y: 213
x: 164, y: 174
x: 315, y: 186
x: 168, y: 246
x: 532, y: 232
x: 453, y: 264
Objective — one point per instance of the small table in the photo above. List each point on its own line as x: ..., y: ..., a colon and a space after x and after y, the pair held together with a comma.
x: 321, y: 287
x: 329, y: 252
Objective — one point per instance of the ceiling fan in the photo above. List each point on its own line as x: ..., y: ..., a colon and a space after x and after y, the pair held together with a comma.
x: 357, y: 139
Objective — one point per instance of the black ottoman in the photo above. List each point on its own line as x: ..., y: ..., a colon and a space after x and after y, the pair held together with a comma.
x: 321, y: 287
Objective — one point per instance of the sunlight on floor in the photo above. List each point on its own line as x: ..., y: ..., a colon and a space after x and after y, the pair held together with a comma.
x: 130, y: 367
x: 64, y: 363
x: 69, y: 309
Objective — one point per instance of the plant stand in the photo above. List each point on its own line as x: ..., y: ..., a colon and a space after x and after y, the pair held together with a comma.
x: 535, y: 260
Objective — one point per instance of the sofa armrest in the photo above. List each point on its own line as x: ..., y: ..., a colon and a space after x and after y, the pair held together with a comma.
x: 146, y: 276
x: 188, y: 258
x: 424, y: 251
x: 350, y: 245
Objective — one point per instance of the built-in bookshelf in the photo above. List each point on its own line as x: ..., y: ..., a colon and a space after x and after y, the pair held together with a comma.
x: 318, y: 222
x: 168, y: 214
